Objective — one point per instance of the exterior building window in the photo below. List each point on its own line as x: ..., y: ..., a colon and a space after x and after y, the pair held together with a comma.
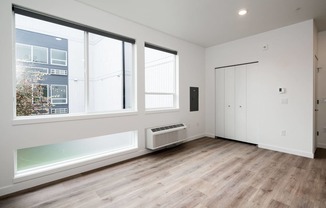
x: 59, y: 110
x: 38, y: 70
x: 40, y: 98
x: 59, y: 94
x: 58, y: 57
x: 58, y: 72
x: 160, y: 78
x: 40, y: 55
x: 43, y: 42
x: 23, y: 52
x: 31, y: 53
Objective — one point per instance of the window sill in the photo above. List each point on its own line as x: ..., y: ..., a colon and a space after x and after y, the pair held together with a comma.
x: 165, y: 110
x: 25, y: 120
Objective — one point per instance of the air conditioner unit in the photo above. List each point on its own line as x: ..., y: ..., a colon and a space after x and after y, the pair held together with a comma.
x: 163, y: 136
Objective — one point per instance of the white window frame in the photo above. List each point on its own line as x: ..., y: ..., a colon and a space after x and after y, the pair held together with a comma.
x: 66, y: 57
x: 66, y: 99
x: 59, y: 110
x: 42, y: 68
x: 47, y: 91
x: 47, y: 54
x: 174, y: 94
x: 62, y: 72
x: 31, y: 52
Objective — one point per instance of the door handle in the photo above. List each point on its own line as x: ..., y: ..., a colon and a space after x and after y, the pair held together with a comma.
x: 316, y: 110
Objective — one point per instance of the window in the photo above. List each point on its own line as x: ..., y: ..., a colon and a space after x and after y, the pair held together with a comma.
x: 104, y: 84
x: 37, y: 70
x: 108, y: 84
x: 58, y: 57
x: 40, y: 93
x: 23, y: 52
x: 160, y: 78
x: 30, y: 53
x: 59, y: 110
x: 40, y: 101
x: 53, y: 155
x: 58, y: 72
x: 40, y: 55
x: 59, y: 94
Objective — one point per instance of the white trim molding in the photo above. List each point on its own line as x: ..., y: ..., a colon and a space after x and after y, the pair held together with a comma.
x: 287, y: 150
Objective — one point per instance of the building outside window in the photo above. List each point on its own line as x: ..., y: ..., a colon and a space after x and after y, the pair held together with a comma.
x: 160, y: 78
x: 32, y: 54
x: 53, y: 54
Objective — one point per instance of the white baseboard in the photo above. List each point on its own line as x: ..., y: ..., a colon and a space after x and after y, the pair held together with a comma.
x: 198, y: 136
x: 321, y: 145
x: 287, y: 150
x: 210, y: 135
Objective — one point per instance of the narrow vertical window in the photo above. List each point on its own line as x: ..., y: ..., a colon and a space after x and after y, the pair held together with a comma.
x: 160, y: 78
x: 110, y: 72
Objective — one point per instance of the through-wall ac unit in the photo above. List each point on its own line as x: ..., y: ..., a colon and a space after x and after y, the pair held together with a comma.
x: 163, y: 136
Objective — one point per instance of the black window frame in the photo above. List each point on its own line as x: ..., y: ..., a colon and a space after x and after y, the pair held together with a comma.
x: 156, y: 47
x: 57, y: 20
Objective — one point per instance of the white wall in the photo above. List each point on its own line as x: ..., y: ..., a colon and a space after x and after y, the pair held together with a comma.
x: 287, y: 63
x: 321, y: 90
x: 15, y: 136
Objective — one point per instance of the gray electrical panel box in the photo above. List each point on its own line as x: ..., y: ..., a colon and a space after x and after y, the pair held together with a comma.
x: 194, y: 98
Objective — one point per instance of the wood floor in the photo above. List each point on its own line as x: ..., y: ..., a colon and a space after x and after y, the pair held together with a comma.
x: 203, y: 173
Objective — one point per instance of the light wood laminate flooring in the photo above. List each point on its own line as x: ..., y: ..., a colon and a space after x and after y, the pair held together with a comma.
x: 202, y: 173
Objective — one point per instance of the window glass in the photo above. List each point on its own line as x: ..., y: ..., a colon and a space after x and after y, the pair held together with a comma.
x: 23, y: 52
x: 59, y: 94
x: 40, y: 98
x: 58, y: 57
x: 109, y: 82
x: 40, y: 40
x: 160, y: 79
x: 37, y: 70
x: 40, y: 55
x: 35, y: 158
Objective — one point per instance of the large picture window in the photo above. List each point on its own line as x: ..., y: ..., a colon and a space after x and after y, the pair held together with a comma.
x: 160, y: 78
x: 95, y: 66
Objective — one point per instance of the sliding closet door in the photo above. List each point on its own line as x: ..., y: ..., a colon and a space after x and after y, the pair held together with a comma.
x: 241, y: 103
x: 219, y: 103
x: 253, y: 92
x: 229, y: 103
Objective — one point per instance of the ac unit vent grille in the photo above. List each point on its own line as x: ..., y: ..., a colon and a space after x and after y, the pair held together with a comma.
x: 163, y: 136
x: 167, y: 127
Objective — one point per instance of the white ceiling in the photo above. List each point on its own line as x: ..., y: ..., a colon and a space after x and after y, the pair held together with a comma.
x: 210, y: 22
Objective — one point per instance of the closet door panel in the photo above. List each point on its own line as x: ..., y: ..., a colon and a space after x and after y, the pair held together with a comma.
x: 219, y: 102
x: 241, y: 103
x: 229, y: 103
x: 253, y: 100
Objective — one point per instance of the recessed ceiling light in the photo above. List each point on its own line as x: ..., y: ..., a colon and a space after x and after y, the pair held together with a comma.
x: 242, y: 12
x: 58, y: 38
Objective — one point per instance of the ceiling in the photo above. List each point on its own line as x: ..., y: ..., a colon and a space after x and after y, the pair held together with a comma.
x: 211, y: 22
